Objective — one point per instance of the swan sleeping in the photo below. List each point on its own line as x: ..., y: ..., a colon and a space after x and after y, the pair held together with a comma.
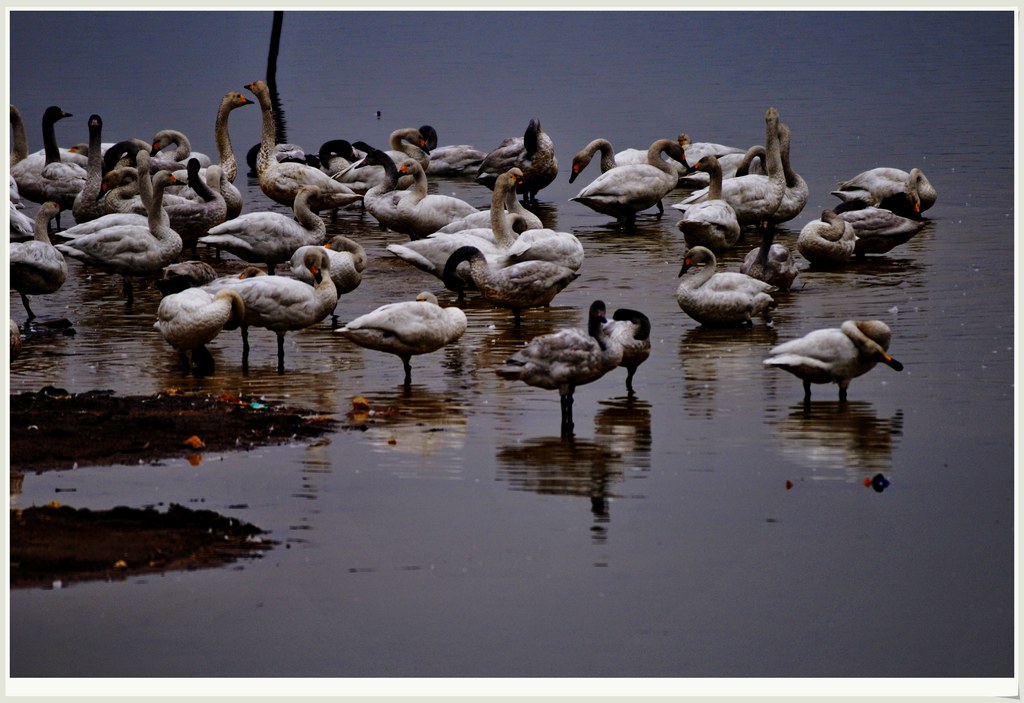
x: 192, y: 318
x: 828, y: 240
x: 407, y: 328
x: 721, y: 297
x: 533, y: 154
x: 566, y: 359
x: 835, y: 355
x: 37, y: 268
x: 624, y: 191
x: 348, y: 259
x: 772, y: 263
x: 879, y: 230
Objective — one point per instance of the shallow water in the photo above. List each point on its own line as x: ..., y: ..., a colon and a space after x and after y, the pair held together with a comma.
x: 460, y: 535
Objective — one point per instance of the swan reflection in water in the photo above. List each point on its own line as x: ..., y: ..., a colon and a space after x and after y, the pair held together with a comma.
x: 838, y: 441
x: 570, y: 466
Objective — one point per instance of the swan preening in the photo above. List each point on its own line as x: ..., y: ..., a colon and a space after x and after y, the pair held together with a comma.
x: 566, y: 359
x: 835, y: 355
x: 533, y: 154
x: 906, y: 194
x: 192, y: 318
x: 407, y: 328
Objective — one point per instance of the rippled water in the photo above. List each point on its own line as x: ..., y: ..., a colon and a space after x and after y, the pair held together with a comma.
x: 460, y: 535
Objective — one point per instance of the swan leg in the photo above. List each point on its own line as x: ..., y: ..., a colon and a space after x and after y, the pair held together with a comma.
x: 245, y: 347
x: 24, y: 300
x: 126, y: 288
x: 408, y: 371
x: 202, y: 361
x: 567, y: 423
x: 517, y: 317
x: 661, y: 208
x: 842, y: 394
x: 807, y: 390
x: 280, y: 352
x: 630, y: 370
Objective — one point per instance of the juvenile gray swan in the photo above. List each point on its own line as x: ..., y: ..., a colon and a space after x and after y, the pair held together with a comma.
x: 835, y: 355
x: 566, y: 359
x: 714, y: 297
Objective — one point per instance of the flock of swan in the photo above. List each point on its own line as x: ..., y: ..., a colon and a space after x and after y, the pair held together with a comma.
x: 137, y: 206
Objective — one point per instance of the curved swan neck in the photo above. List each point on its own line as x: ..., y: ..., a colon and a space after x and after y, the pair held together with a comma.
x: 268, y: 136
x: 755, y: 152
x: 408, y: 141
x: 305, y: 213
x: 19, y: 140
x: 772, y: 147
x: 607, y: 154
x: 695, y: 256
x: 228, y: 161
x: 669, y: 147
x: 787, y: 169
x: 50, y: 118
x: 836, y: 226
x: 713, y: 168
x: 42, y: 223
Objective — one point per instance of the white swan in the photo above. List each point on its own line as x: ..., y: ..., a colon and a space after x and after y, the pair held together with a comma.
x: 348, y: 259
x: 280, y: 181
x: 282, y: 304
x: 906, y: 194
x: 533, y: 154
x: 453, y: 159
x: 714, y: 297
x: 50, y: 178
x: 271, y: 237
x: 192, y: 318
x: 413, y: 212
x: 225, y: 151
x: 22, y: 226
x: 835, y: 355
x: 879, y: 230
x: 407, y: 328
x: 771, y: 262
x: 631, y: 329
x: 624, y: 191
x: 87, y: 204
x: 695, y: 151
x: 37, y: 268
x: 194, y: 218
x: 527, y: 284
x: 710, y: 223
x: 754, y: 197
x: 517, y: 216
x: 828, y: 240
x: 566, y: 359
x: 131, y: 249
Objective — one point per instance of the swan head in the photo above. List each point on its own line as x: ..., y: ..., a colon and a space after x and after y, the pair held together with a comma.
x: 317, y: 263
x: 426, y: 297
x: 706, y: 164
x: 95, y: 124
x: 410, y: 167
x: 449, y: 276
x: 697, y: 255
x: 596, y: 320
x: 336, y: 147
x: 642, y: 322
x: 235, y: 99
x: 429, y: 137
x: 54, y: 113
x: 872, y: 338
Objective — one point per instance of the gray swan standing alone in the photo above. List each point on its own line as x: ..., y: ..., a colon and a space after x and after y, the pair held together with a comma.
x: 835, y: 355
x: 566, y: 359
x: 533, y: 154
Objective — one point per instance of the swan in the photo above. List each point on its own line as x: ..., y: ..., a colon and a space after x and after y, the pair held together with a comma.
x: 566, y: 359
x: 695, y: 151
x: 879, y: 230
x: 771, y: 262
x: 193, y: 219
x: 710, y: 223
x: 830, y: 239
x: 225, y: 152
x: 348, y: 259
x: 527, y: 284
x: 86, y: 205
x: 533, y: 154
x: 124, y: 195
x: 407, y: 328
x: 624, y: 191
x: 632, y: 330
x: 282, y: 304
x: 131, y: 249
x: 794, y: 198
x: 754, y: 197
x: 182, y: 149
x: 185, y: 274
x: 336, y: 155
x: 609, y: 161
x: 451, y: 160
x: 50, y: 178
x: 412, y: 212
x: 518, y: 217
x: 906, y: 194
x: 409, y: 143
x: 280, y: 181
x: 37, y: 268
x: 22, y: 226
x: 338, y: 158
x: 192, y: 318
x: 835, y: 355
x: 271, y: 237
x: 714, y: 297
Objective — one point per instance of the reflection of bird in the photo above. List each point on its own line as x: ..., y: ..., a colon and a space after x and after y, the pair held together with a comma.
x: 407, y: 328
x: 835, y: 355
x: 631, y: 329
x: 566, y: 359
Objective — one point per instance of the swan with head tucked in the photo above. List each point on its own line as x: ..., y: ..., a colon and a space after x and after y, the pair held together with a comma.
x: 828, y: 240
x: 754, y: 197
x: 271, y: 237
x: 192, y: 318
x: 835, y: 355
x: 906, y: 194
x: 37, y: 268
x: 348, y: 259
x: 710, y: 223
x: 714, y: 297
x: 879, y: 230
x: 566, y: 359
x: 533, y: 154
x: 131, y: 249
x: 282, y: 304
x: 625, y: 190
x: 280, y: 181
x: 407, y: 328
x: 451, y: 160
x: 527, y: 284
x: 631, y: 329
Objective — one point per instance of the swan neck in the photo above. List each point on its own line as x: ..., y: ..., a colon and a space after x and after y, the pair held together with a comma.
x: 228, y: 161
x: 499, y: 222
x: 268, y: 137
x: 50, y: 141
x: 715, y: 186
x: 19, y: 144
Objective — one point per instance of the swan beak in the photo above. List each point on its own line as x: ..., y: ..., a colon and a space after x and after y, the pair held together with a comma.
x: 315, y: 270
x: 685, y: 268
x: 103, y: 191
x: 327, y: 246
x: 889, y: 361
x: 357, y: 164
x: 575, y: 172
